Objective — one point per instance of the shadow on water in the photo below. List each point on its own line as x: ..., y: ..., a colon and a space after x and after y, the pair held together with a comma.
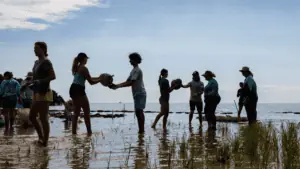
x: 116, y: 144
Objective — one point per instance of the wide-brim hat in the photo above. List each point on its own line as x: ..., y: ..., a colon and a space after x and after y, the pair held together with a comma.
x: 208, y: 73
x: 245, y: 69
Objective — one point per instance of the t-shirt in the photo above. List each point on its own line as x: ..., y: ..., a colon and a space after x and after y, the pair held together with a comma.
x: 212, y: 88
x: 40, y: 71
x: 27, y: 93
x: 164, y: 89
x: 10, y: 87
x: 240, y: 95
x: 137, y: 87
x: 251, y: 84
x: 196, y: 88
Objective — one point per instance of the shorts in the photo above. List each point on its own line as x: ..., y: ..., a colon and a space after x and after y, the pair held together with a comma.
x: 27, y: 103
x: 9, y: 102
x: 163, y: 101
x: 139, y: 102
x: 43, y: 97
x: 77, y: 90
x: 196, y: 104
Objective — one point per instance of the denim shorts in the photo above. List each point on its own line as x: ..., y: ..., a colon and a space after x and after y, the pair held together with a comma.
x: 139, y: 102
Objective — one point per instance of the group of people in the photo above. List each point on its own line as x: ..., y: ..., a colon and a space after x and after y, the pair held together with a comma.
x: 38, y: 95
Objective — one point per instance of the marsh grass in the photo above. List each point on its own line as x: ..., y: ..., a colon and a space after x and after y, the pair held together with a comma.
x: 261, y: 146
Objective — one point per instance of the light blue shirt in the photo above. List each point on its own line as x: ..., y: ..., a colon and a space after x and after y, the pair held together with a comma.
x: 251, y: 84
x: 10, y: 87
x: 212, y: 88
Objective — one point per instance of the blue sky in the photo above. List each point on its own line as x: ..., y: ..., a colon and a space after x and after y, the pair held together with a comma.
x: 181, y: 36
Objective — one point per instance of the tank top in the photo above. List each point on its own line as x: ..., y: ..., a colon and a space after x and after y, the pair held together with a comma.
x: 79, y: 79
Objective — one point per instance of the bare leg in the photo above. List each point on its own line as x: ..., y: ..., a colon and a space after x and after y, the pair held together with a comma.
x: 158, y: 117
x: 166, y: 114
x: 5, y: 113
x: 44, y: 111
x: 200, y: 117
x: 191, y: 117
x: 141, y: 120
x: 32, y: 117
x: 11, y: 117
x: 87, y: 118
x: 77, y: 108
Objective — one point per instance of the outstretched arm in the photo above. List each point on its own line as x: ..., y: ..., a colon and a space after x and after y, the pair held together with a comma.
x: 91, y: 80
x: 186, y: 86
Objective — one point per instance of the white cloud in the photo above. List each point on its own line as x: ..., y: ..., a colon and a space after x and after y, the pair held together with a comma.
x: 15, y: 14
x: 2, y: 43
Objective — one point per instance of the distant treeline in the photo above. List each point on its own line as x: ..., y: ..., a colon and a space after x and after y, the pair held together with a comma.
x: 57, y: 99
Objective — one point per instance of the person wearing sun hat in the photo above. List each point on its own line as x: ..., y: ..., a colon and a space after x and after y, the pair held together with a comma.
x: 211, y: 98
x: 26, y: 92
x: 250, y: 95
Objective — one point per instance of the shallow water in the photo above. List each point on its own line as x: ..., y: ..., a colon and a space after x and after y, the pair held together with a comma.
x: 116, y: 144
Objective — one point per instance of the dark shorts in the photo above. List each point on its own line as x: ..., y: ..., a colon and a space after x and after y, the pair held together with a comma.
x: 9, y: 102
x: 139, y: 102
x: 196, y: 104
x: 77, y: 90
x: 163, y: 100
x: 27, y: 103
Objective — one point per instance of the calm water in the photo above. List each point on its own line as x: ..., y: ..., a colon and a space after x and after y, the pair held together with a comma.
x: 115, y: 142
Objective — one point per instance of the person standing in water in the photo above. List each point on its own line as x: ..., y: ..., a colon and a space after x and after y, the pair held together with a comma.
x: 241, y: 100
x: 250, y: 95
x: 211, y: 99
x: 43, y: 74
x: 10, y: 92
x: 26, y: 92
x: 196, y: 88
x: 135, y: 80
x: 165, y: 91
x: 77, y: 91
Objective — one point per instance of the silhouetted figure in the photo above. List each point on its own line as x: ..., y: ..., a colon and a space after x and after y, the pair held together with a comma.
x: 211, y: 99
x: 241, y: 99
x: 197, y: 89
x: 136, y: 82
x: 250, y: 95
x: 165, y: 91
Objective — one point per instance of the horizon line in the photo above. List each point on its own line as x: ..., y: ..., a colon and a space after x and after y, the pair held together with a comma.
x: 188, y: 103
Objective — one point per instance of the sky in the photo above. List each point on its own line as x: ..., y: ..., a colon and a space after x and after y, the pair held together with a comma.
x: 181, y: 36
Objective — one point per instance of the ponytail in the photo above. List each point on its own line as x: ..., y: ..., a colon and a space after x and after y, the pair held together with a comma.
x: 75, y: 65
x: 162, y: 73
x: 159, y: 79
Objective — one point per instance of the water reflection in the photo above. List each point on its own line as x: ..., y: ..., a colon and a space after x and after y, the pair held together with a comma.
x: 79, y: 153
x: 140, y: 155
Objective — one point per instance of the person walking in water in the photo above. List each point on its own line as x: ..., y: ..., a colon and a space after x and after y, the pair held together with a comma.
x: 136, y: 82
x: 10, y: 92
x: 77, y: 91
x: 196, y: 90
x: 43, y: 74
x: 165, y: 91
x: 241, y: 99
x: 250, y: 95
x: 211, y: 99
x: 26, y: 92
